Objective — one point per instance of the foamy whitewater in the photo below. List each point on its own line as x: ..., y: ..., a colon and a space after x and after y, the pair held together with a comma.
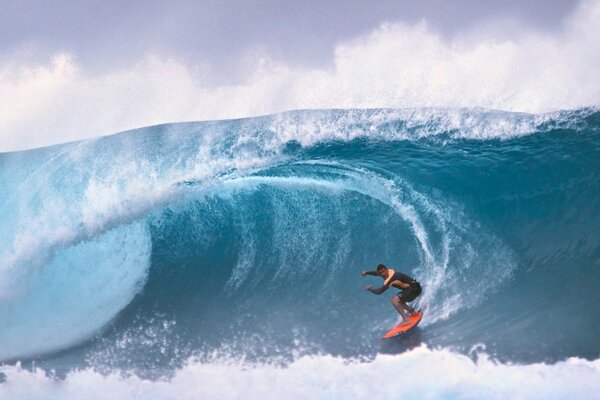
x: 222, y: 259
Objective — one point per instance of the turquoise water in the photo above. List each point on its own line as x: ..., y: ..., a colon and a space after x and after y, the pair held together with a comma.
x: 245, y: 239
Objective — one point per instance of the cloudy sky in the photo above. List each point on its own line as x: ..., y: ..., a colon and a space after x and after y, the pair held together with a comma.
x: 78, y: 69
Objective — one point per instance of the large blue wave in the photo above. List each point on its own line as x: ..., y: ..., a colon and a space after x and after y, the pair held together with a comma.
x: 247, y: 237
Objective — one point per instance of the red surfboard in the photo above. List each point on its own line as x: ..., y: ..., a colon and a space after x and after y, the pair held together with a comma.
x: 404, y: 326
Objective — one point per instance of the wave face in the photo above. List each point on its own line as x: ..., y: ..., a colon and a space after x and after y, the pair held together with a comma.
x: 244, y: 240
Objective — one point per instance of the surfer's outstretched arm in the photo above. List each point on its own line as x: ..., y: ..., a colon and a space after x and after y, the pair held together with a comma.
x: 369, y: 273
x: 379, y: 290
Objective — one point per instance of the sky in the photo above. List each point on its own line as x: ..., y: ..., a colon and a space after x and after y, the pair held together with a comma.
x: 72, y: 70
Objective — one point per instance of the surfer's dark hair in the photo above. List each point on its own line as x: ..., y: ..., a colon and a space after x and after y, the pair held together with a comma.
x: 381, y: 266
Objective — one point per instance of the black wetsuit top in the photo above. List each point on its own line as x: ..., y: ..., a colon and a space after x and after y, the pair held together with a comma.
x: 392, y: 281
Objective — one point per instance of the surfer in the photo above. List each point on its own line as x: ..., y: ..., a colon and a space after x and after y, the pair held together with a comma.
x: 409, y: 287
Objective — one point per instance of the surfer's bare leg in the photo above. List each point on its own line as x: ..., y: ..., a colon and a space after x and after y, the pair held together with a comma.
x: 398, y: 306
x: 405, y: 307
x: 409, y: 308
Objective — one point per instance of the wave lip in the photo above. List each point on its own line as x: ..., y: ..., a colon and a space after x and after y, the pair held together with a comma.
x: 312, y: 126
x: 75, y: 294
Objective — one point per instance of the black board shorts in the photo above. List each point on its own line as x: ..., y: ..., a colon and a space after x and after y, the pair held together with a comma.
x: 410, y: 293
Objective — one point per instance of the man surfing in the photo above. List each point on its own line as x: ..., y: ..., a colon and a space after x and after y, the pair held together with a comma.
x: 409, y: 287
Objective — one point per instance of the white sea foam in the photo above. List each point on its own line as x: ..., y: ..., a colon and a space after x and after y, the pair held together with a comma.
x: 421, y: 373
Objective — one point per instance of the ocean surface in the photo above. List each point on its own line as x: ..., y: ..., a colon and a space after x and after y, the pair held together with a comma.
x: 222, y: 259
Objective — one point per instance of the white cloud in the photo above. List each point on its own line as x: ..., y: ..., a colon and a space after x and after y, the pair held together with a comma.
x: 393, y: 66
